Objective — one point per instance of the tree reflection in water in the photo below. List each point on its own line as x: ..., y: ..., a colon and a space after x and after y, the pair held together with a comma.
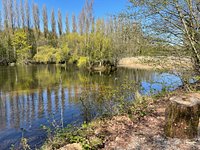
x: 31, y: 95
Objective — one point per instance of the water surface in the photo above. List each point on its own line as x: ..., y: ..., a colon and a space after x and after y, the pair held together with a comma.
x: 31, y: 96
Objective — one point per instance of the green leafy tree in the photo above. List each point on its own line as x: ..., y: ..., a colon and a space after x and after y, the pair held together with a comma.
x: 75, y: 43
x: 49, y: 54
x: 101, y: 48
x: 23, y: 49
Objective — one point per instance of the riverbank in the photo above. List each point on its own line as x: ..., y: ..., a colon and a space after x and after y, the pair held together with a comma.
x: 141, y: 62
x: 162, y: 62
x: 147, y: 132
x: 141, y: 128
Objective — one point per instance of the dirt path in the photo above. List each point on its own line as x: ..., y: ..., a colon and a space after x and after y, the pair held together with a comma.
x: 146, y: 133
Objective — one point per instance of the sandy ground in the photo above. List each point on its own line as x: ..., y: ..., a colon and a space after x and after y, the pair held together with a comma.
x: 155, y: 63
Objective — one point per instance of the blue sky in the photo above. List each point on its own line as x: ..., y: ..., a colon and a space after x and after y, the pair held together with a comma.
x: 101, y: 7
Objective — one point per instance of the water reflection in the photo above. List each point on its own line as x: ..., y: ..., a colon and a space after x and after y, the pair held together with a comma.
x: 35, y: 95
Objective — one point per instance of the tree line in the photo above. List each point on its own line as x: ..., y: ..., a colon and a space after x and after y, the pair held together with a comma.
x: 28, y: 34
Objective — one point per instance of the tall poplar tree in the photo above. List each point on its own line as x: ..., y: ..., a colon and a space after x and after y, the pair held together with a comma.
x: 36, y: 18
x: 45, y: 20
x: 23, y: 22
x: 74, y: 25
x: 16, y: 14
x: 60, y: 25
x: 53, y: 23
x: 11, y: 14
x: 82, y: 21
x: 1, y: 26
x: 28, y: 20
x: 67, y: 30
x: 89, y: 14
x: 5, y: 13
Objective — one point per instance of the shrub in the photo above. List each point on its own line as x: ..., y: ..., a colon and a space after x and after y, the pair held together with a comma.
x: 48, y: 54
x: 73, y: 59
x: 82, y: 62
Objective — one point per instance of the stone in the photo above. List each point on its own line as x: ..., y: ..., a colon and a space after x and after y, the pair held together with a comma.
x: 74, y: 146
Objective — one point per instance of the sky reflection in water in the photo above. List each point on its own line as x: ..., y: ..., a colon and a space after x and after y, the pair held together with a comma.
x: 31, y: 96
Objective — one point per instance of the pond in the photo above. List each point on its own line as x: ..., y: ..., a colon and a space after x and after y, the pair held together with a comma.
x: 32, y: 96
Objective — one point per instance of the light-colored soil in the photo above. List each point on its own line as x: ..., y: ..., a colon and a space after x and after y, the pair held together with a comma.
x: 146, y: 133
x: 142, y: 62
x: 74, y: 146
x: 137, y: 66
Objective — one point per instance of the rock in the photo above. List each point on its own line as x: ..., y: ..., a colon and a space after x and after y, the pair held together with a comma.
x: 74, y: 146
x: 12, y: 64
x: 182, y: 116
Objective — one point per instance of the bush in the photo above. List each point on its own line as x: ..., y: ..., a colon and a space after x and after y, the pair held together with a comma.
x: 73, y: 59
x: 82, y: 62
x: 48, y: 54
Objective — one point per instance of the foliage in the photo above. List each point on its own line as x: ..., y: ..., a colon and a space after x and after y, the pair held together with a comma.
x: 20, y: 44
x: 100, y: 47
x: 75, y: 43
x: 98, y: 40
x: 123, y: 35
x: 72, y: 134
x: 73, y: 59
x: 24, y: 144
x: 48, y: 54
x: 52, y: 40
x: 82, y: 62
x: 3, y: 47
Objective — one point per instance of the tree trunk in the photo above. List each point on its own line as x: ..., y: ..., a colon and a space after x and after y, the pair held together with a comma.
x: 196, y: 63
x: 182, y: 116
